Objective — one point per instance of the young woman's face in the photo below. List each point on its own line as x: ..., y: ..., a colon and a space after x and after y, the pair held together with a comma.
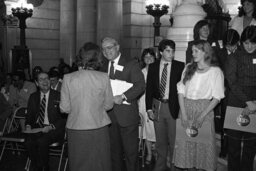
x: 248, y: 7
x: 198, y: 54
x: 149, y: 59
x: 204, y: 32
x: 250, y: 47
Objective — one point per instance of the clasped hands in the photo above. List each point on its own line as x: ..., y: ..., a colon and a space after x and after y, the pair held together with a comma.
x: 45, y: 129
x: 197, y: 122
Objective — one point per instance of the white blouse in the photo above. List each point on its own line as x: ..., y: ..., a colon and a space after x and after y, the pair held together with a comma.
x: 203, y: 85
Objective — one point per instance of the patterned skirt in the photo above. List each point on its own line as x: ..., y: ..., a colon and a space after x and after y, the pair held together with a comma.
x: 199, y: 151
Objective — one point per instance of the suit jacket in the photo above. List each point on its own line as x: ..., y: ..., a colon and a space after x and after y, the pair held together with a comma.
x: 54, y: 115
x: 86, y: 95
x: 124, y: 114
x: 153, y: 80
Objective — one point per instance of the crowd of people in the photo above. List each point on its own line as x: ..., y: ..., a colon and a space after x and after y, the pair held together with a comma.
x: 175, y: 101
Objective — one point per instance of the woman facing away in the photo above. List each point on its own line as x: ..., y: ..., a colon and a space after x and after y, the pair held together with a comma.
x: 148, y: 57
x: 86, y: 95
x: 241, y: 77
x: 200, y: 90
x: 246, y: 16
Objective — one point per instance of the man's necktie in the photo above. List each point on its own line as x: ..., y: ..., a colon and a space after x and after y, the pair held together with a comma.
x: 40, y: 119
x: 111, y: 71
x: 163, y: 81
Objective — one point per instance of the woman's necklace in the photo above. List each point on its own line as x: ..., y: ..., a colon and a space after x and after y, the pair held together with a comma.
x: 203, y: 69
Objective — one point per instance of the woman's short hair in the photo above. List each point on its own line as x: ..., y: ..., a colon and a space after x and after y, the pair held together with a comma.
x: 231, y: 37
x: 241, y: 11
x: 197, y: 28
x: 146, y: 51
x: 89, y: 56
x: 249, y: 33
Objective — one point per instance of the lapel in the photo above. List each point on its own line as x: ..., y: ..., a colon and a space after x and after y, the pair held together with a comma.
x: 38, y: 102
x: 172, y: 75
x: 50, y: 102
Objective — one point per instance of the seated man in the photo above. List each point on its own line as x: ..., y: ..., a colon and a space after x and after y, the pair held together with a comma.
x: 44, y: 113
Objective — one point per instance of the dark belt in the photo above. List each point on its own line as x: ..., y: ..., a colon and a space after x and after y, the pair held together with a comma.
x: 164, y: 100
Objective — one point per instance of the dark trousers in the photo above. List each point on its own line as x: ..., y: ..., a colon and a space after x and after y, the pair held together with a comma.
x: 124, y: 144
x: 241, y: 157
x: 38, y: 147
x: 165, y: 129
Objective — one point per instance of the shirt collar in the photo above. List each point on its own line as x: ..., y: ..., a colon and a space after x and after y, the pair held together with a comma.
x: 117, y: 59
x: 162, y: 62
x: 46, y: 94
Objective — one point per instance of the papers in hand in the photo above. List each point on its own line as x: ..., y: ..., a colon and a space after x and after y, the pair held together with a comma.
x: 119, y: 87
x: 31, y: 131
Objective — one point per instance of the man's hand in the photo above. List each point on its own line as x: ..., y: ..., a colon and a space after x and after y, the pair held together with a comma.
x: 251, y: 105
x: 47, y: 129
x: 118, y: 99
x: 151, y: 115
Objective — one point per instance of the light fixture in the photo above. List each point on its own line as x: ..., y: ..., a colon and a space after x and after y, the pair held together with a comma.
x: 157, y: 8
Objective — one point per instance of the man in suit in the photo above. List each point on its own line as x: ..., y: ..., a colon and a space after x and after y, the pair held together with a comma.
x: 124, y: 117
x: 163, y: 75
x: 55, y: 80
x: 43, y: 112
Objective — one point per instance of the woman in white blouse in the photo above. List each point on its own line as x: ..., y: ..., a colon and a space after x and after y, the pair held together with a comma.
x: 200, y: 90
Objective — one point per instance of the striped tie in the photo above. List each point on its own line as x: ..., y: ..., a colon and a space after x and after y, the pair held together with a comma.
x: 40, y: 119
x: 163, y: 81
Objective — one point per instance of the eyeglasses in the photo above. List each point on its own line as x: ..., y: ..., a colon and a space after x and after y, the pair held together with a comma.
x: 108, y: 48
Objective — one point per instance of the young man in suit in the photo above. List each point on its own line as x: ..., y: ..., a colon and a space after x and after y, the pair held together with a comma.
x: 43, y: 112
x: 163, y: 75
x: 124, y: 117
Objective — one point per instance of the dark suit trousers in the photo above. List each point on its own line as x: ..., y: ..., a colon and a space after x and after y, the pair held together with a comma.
x: 165, y: 129
x: 236, y: 160
x: 38, y: 146
x: 124, y: 144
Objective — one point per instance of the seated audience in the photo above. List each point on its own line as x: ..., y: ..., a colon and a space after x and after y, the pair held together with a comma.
x: 43, y: 112
x: 20, y: 91
x: 5, y: 107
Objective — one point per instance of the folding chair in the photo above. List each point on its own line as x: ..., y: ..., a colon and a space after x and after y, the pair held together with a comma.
x: 56, y: 149
x: 13, y: 136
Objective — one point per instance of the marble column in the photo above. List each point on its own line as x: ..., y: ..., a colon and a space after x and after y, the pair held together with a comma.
x: 185, y: 17
x: 85, y: 22
x: 109, y: 19
x: 68, y: 30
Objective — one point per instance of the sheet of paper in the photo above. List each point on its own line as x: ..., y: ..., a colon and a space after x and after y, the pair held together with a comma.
x: 35, y: 130
x: 119, y: 87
